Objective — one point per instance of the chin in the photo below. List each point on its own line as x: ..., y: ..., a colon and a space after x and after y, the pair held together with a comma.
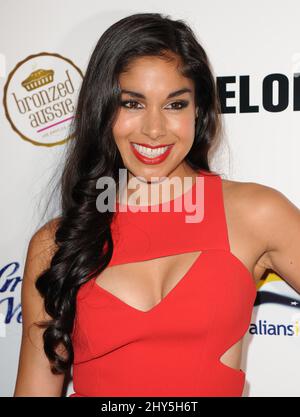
x: 149, y: 178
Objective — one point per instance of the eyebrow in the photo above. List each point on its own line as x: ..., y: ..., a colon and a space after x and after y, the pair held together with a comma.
x: 172, y: 94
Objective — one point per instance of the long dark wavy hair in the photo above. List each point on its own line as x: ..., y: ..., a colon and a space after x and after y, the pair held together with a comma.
x: 83, y: 237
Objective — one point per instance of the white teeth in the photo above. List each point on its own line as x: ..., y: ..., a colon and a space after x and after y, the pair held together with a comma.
x: 150, y: 153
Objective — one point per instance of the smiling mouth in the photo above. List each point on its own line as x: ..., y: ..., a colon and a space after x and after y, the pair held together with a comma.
x: 151, y: 152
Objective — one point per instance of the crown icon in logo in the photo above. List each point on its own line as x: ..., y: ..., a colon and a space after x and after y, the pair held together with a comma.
x: 37, y: 79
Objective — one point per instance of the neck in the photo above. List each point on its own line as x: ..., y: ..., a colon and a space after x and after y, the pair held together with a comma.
x: 159, y: 191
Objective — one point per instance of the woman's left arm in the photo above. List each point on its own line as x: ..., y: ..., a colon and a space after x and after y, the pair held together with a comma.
x: 280, y: 224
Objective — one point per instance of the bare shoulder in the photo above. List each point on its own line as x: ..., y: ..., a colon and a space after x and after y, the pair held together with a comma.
x: 253, y: 197
x: 40, y: 251
x: 247, y: 205
x: 269, y: 215
x: 261, y: 206
x: 245, y: 187
x: 277, y: 219
x: 48, y: 229
x: 35, y: 377
x: 42, y: 245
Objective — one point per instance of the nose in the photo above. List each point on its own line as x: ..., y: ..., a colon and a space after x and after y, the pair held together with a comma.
x: 154, y: 125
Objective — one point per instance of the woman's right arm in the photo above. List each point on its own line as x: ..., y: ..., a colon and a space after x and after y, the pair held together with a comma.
x: 34, y: 377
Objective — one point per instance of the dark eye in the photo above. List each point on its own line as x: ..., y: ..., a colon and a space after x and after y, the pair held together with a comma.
x: 182, y: 104
x: 131, y: 102
x: 176, y: 105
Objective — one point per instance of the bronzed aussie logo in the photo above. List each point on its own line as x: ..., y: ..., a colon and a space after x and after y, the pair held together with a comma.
x: 39, y: 98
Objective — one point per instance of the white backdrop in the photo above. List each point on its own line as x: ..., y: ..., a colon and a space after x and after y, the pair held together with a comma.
x: 250, y: 42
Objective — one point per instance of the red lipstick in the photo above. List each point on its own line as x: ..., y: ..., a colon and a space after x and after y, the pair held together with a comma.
x: 151, y: 161
x: 152, y: 147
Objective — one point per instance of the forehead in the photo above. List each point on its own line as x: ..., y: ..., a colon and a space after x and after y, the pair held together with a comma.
x: 154, y: 73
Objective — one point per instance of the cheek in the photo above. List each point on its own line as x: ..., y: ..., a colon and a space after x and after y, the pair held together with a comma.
x: 184, y: 127
x: 124, y: 125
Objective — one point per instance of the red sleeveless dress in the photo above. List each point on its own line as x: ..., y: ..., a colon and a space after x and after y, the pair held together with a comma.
x: 174, y: 348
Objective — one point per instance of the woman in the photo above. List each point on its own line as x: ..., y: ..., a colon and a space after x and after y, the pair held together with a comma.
x: 146, y: 303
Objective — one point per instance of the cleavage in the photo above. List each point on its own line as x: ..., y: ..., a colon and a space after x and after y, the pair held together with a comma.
x: 143, y: 285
